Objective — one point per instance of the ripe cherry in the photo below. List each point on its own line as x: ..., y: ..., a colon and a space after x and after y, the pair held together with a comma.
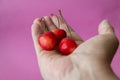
x: 60, y: 34
x: 47, y: 41
x: 67, y: 46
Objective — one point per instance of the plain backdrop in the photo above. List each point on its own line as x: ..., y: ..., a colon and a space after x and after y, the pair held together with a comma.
x: 17, y: 55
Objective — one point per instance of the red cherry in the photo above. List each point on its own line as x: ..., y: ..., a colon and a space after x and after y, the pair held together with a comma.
x: 47, y: 41
x: 67, y: 46
x: 60, y: 34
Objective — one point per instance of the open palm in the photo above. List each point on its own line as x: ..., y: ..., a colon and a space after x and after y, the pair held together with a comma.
x: 93, y: 54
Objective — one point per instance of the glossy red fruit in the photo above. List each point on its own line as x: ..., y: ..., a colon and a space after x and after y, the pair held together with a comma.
x: 60, y: 34
x: 47, y: 41
x: 67, y: 46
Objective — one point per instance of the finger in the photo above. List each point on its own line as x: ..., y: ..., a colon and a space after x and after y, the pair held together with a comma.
x: 37, y: 30
x: 70, y: 32
x: 50, y: 25
x: 55, y: 20
x: 106, y: 29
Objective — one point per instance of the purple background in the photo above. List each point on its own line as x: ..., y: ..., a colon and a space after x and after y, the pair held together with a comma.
x: 17, y: 56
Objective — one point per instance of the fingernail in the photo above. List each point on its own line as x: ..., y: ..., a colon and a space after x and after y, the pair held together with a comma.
x: 45, y: 17
x: 52, y: 14
x: 42, y: 19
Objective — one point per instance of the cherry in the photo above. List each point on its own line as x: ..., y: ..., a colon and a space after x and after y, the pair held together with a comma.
x: 47, y: 41
x: 60, y: 34
x: 67, y: 46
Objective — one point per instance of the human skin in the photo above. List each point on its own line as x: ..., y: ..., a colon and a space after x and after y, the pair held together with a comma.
x: 89, y: 61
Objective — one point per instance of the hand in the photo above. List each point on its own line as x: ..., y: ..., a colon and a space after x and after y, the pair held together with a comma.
x: 90, y: 60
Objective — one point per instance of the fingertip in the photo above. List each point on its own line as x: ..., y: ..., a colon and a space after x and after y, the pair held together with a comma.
x: 105, y: 27
x: 37, y: 20
x: 35, y: 25
x: 60, y: 12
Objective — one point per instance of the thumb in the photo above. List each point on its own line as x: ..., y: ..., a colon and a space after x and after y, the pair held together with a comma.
x: 105, y: 27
